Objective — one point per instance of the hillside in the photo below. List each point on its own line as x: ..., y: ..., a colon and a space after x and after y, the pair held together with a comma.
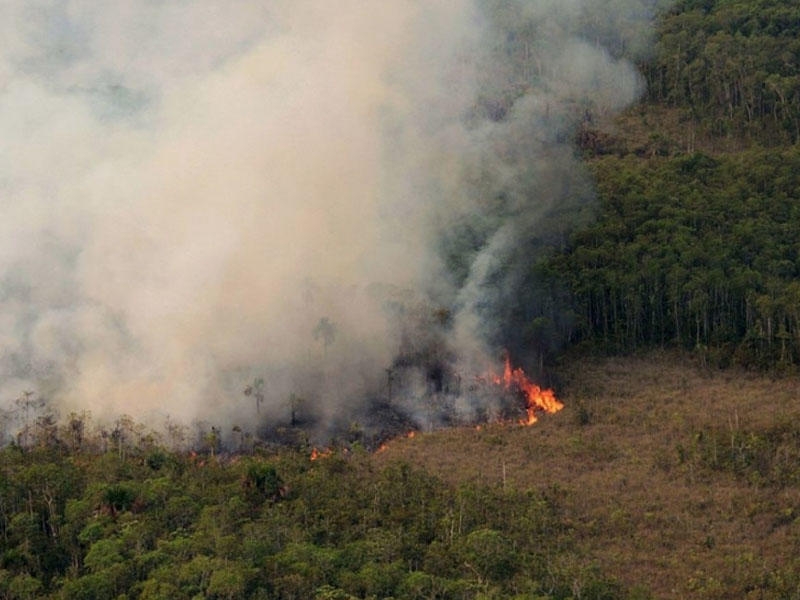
x: 692, y: 241
x: 674, y: 478
x: 659, y: 479
x: 657, y: 290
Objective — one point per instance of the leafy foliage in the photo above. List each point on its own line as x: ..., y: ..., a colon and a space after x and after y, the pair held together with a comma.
x: 695, y: 251
x: 257, y: 527
x: 733, y: 64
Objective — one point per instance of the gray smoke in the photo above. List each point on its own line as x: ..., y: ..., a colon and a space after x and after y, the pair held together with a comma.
x: 196, y: 194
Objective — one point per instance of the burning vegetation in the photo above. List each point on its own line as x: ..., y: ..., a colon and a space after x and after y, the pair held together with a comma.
x: 510, y: 398
x: 536, y: 398
x: 426, y: 392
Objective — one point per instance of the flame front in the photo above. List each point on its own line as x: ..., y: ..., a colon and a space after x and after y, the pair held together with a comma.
x: 409, y: 435
x: 535, y: 397
x: 317, y: 454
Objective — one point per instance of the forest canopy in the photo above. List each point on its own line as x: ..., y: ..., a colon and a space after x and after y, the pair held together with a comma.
x: 695, y: 241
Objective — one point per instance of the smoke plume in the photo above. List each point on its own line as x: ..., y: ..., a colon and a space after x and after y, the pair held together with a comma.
x: 199, y: 194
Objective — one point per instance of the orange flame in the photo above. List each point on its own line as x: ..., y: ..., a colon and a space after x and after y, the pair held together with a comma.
x: 535, y: 397
x: 408, y: 435
x: 317, y: 454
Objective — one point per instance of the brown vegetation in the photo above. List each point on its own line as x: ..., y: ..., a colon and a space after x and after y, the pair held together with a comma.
x: 676, y: 479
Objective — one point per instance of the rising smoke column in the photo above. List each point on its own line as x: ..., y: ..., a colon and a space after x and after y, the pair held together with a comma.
x: 190, y: 188
x: 549, y: 66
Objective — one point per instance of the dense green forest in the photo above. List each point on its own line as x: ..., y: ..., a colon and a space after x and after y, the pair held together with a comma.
x: 696, y: 241
x: 696, y: 251
x: 159, y: 525
x: 733, y: 64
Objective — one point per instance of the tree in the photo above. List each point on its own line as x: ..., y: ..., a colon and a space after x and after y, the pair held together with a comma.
x: 103, y: 554
x: 228, y: 581
x: 325, y: 331
x: 490, y: 555
x: 256, y: 390
x: 28, y: 404
x: 263, y: 482
x: 75, y: 430
x: 24, y: 587
x: 212, y: 440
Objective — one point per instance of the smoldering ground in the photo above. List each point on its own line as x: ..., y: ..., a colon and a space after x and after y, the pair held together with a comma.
x: 190, y: 190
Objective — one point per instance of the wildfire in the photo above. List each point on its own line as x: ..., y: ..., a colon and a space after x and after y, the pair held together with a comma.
x: 536, y: 400
x: 535, y: 397
x: 317, y: 454
x: 384, y: 445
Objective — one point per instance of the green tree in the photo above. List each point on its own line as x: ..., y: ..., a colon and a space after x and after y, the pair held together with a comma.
x: 490, y: 556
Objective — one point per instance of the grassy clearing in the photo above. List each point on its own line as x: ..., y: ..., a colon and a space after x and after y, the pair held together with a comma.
x: 677, y: 479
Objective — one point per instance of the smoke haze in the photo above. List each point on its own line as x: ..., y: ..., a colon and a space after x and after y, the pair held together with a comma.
x: 198, y: 193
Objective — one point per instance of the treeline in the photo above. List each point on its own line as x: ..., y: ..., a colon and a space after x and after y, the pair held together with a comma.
x: 698, y: 250
x: 689, y: 248
x: 154, y: 524
x: 733, y: 64
x: 690, y: 251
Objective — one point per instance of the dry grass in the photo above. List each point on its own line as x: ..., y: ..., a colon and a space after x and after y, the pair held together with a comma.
x: 622, y: 453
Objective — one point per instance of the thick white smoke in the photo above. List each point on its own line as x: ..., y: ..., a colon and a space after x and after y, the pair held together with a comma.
x: 190, y: 189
